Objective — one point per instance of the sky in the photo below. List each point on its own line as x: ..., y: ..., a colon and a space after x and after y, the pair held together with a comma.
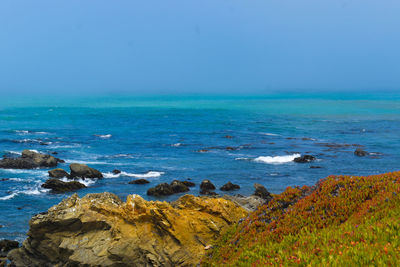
x: 198, y: 46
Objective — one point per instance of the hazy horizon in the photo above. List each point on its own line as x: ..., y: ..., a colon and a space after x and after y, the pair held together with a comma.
x: 198, y: 47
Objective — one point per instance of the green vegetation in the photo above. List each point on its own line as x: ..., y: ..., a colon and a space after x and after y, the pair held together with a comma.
x: 342, y: 221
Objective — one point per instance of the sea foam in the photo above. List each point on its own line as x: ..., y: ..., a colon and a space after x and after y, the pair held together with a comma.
x: 150, y: 174
x: 277, y: 159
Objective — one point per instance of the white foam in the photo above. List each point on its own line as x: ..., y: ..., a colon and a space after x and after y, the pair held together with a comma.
x: 276, y: 159
x: 13, y: 152
x: 177, y: 144
x: 85, y: 181
x: 150, y: 174
x: 8, y: 197
x: 271, y: 134
x: 21, y: 131
x: 86, y: 162
x: 104, y: 136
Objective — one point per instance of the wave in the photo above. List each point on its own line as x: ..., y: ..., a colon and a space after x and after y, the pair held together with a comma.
x: 150, y: 174
x: 177, y: 145
x: 85, y: 181
x: 8, y: 197
x: 270, y: 134
x: 24, y: 132
x: 86, y: 162
x: 103, y: 136
x: 37, y: 190
x: 27, y: 171
x: 277, y: 159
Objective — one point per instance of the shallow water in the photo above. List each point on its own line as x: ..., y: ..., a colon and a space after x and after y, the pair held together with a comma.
x: 158, y: 138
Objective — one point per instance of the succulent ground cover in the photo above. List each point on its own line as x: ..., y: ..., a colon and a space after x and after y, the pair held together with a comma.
x: 341, y: 221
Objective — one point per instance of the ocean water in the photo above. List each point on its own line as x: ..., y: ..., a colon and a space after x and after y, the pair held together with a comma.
x: 159, y: 138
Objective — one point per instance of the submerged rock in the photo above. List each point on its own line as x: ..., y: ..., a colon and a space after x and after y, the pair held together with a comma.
x: 58, y: 186
x: 262, y: 192
x: 84, y: 171
x: 304, y: 159
x: 116, y: 171
x: 229, y: 187
x: 360, y: 152
x: 139, y: 181
x: 101, y: 230
x: 58, y: 173
x: 29, y: 160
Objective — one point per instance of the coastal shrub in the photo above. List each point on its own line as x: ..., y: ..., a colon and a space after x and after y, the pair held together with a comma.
x: 342, y: 221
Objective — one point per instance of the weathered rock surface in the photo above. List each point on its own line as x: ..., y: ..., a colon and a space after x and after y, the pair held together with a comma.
x: 139, y: 181
x: 58, y: 173
x: 304, y: 159
x: 249, y: 203
x: 83, y: 171
x: 229, y: 187
x: 188, y: 183
x: 6, y: 246
x: 262, y: 192
x: 29, y: 160
x: 101, y: 230
x: 58, y: 186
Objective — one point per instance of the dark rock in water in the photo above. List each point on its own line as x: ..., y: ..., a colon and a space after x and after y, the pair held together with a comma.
x: 54, y: 152
x: 228, y: 136
x: 360, y: 152
x: 83, y: 171
x: 229, y: 148
x: 262, y: 192
x: 163, y: 189
x: 229, y: 187
x: 4, y: 179
x: 58, y: 173
x: 304, y: 159
x: 58, y: 186
x: 202, y: 150
x: 116, y: 171
x: 179, y: 187
x: 139, y: 181
x: 29, y: 160
x: 207, y: 185
x: 6, y: 246
x: 315, y: 167
x: 188, y: 184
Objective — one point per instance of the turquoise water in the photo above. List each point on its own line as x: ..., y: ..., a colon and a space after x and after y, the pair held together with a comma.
x: 158, y: 138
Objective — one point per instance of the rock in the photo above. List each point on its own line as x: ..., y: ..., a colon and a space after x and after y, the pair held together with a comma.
x: 202, y: 150
x: 179, y: 187
x: 249, y: 203
x: 116, y: 171
x: 208, y: 193
x: 304, y: 159
x: 162, y: 189
x: 262, y: 192
x: 101, y: 230
x: 30, y: 160
x: 6, y: 246
x: 139, y: 181
x: 58, y: 186
x: 4, y: 179
x: 315, y: 167
x: 360, y: 152
x: 188, y: 183
x: 207, y: 185
x: 83, y: 171
x: 229, y: 187
x: 165, y: 189
x: 58, y: 173
x: 228, y: 136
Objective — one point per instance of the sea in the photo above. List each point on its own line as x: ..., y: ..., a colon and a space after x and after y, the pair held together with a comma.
x: 244, y: 139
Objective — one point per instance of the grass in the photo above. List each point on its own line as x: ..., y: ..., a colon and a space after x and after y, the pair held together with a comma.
x: 342, y: 221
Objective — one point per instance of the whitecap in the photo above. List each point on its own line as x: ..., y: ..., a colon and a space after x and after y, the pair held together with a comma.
x: 103, y: 136
x: 276, y: 159
x: 8, y: 197
x: 21, y: 132
x: 150, y: 174
x: 177, y: 144
x: 270, y: 134
x: 85, y: 181
x: 86, y: 162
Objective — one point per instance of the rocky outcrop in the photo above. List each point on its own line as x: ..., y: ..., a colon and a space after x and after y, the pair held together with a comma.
x: 165, y: 189
x: 249, y: 203
x: 83, y: 171
x: 360, y: 152
x: 6, y: 246
x: 30, y: 160
x: 101, y: 230
x: 262, y: 192
x: 58, y: 186
x: 58, y: 173
x: 229, y: 187
x: 304, y: 159
x: 206, y: 187
x: 139, y: 181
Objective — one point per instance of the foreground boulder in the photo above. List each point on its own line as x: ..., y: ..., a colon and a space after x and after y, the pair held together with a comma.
x: 83, y: 171
x: 58, y: 173
x: 101, y: 230
x: 30, y: 160
x: 262, y: 192
x: 58, y: 186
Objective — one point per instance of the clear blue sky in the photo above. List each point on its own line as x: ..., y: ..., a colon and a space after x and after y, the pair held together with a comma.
x: 188, y: 46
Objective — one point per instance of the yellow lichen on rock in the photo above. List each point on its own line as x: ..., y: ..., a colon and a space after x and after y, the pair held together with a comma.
x: 100, y: 229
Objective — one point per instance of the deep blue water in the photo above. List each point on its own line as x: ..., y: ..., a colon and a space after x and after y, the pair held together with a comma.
x: 158, y: 138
